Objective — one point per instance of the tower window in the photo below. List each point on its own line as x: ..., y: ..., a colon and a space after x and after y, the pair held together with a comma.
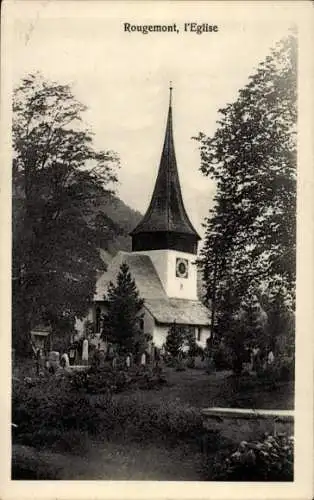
x: 141, y: 324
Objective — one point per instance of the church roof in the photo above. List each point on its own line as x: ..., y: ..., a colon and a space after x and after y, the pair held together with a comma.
x: 142, y: 270
x: 166, y: 211
x: 163, y: 309
x: 181, y: 311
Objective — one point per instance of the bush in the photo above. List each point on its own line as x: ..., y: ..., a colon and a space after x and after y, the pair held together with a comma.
x: 108, y: 381
x: 222, y: 358
x: 168, y: 421
x: 48, y: 405
x: 286, y: 369
x: 282, y: 370
x: 267, y: 460
x: 57, y: 410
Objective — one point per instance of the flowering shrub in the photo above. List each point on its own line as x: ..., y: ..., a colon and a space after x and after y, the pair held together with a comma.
x: 267, y: 460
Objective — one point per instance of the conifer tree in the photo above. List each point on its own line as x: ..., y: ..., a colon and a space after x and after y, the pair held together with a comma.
x: 124, y: 306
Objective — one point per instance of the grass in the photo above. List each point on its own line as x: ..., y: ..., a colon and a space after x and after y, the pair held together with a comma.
x: 109, y: 461
x: 198, y: 389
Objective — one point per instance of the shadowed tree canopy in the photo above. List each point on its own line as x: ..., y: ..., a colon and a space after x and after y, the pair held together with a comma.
x: 57, y: 179
x: 251, y: 229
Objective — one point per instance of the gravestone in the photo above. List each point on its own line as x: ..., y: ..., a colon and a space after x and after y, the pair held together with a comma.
x: 65, y: 362
x: 143, y: 359
x: 53, y: 361
x: 270, y: 358
x: 101, y: 359
x: 85, y: 352
x: 128, y: 361
x: 72, y: 354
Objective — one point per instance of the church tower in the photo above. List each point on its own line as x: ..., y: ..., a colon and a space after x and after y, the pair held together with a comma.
x: 165, y: 233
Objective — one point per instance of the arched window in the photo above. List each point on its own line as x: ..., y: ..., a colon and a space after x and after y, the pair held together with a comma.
x: 98, y: 319
x: 141, y: 324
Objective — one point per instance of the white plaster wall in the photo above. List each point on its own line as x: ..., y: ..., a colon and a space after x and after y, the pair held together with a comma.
x: 183, y: 288
x: 149, y: 322
x: 165, y: 265
x: 160, y: 335
x: 205, y: 334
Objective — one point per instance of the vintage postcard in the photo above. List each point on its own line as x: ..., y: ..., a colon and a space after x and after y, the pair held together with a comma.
x: 157, y: 218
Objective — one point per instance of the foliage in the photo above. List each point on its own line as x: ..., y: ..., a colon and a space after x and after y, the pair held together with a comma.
x: 247, y: 330
x: 194, y: 350
x: 280, y: 320
x: 267, y: 460
x: 175, y: 340
x: 171, y: 421
x: 57, y: 176
x: 124, y: 306
x: 282, y: 370
x: 54, y: 405
x: 50, y: 402
x: 108, y: 381
x: 222, y: 357
x: 250, y: 231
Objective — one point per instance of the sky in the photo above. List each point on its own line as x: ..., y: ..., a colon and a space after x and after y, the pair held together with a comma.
x: 123, y: 78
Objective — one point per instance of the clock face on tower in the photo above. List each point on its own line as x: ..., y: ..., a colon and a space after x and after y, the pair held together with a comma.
x: 182, y: 268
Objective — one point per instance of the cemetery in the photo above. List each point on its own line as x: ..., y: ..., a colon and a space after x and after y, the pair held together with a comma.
x: 115, y: 404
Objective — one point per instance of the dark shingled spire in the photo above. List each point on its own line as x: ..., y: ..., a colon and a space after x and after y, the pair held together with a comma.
x: 166, y: 224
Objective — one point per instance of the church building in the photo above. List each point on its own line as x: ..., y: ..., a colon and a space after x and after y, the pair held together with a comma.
x: 162, y: 261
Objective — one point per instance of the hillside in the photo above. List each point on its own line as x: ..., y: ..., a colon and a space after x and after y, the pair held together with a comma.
x: 114, y: 220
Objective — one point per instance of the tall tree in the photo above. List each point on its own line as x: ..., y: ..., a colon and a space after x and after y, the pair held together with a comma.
x: 250, y: 231
x: 124, y: 306
x: 57, y: 175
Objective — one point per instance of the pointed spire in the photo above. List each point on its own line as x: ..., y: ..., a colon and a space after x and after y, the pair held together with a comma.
x: 166, y: 223
x: 170, y: 94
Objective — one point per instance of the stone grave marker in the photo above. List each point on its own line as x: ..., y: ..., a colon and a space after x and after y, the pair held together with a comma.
x: 65, y: 362
x: 85, y: 352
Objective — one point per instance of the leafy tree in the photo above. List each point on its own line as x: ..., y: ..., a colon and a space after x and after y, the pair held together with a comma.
x: 250, y: 231
x: 124, y: 306
x: 57, y: 176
